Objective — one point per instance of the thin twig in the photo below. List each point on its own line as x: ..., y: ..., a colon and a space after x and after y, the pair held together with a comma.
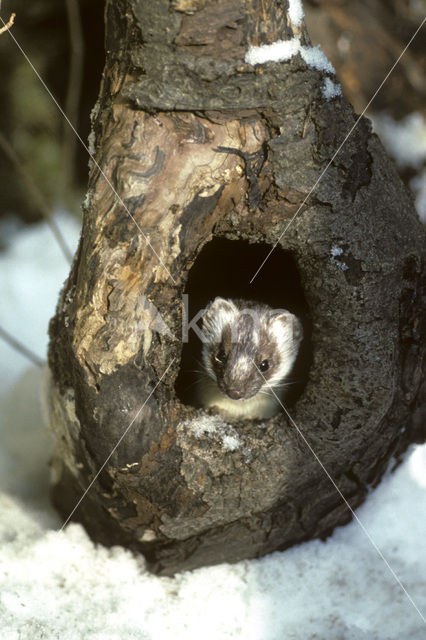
x: 35, y: 195
x: 72, y: 101
x: 18, y: 346
x: 8, y: 24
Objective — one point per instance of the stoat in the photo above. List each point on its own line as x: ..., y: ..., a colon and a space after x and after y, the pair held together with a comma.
x: 248, y: 350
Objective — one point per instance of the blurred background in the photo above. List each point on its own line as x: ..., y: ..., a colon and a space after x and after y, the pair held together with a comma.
x: 64, y: 41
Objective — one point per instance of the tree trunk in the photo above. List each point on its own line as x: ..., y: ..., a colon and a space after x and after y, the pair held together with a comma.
x: 204, y: 160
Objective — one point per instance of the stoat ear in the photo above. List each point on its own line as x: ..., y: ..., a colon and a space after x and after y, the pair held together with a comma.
x: 219, y: 313
x: 286, y: 326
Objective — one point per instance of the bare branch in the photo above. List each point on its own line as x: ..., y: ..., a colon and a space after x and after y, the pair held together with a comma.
x: 7, y: 25
x: 35, y: 194
x: 73, y: 91
x: 18, y: 346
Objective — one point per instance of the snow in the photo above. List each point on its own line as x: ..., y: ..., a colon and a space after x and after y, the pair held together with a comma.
x: 58, y: 584
x: 336, y: 251
x: 283, y: 50
x: 417, y: 465
x: 331, y: 89
x: 314, y: 57
x: 295, y: 12
x: 405, y: 140
x: 29, y: 294
x: 278, y: 51
x: 214, y: 425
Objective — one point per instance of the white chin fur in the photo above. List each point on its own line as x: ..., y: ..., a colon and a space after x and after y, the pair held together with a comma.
x: 260, y: 406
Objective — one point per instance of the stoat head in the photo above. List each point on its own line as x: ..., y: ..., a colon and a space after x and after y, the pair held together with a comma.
x: 248, y: 349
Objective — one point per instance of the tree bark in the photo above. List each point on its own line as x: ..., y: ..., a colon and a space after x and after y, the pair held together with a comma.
x: 175, y: 89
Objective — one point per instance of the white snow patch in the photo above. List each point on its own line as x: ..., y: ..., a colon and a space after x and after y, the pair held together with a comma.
x: 417, y: 465
x: 295, y: 12
x: 314, y: 57
x: 276, y: 52
x: 337, y: 251
x: 331, y: 89
x: 284, y: 50
x: 404, y: 139
x: 32, y: 269
x: 214, y: 425
x: 231, y: 442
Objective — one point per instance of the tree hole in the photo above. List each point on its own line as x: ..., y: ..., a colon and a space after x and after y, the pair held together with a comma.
x: 224, y: 268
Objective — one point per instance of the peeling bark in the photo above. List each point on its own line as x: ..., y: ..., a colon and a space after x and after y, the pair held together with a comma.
x: 175, y: 92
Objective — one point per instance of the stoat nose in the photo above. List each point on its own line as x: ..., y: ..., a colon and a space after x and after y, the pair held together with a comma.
x: 235, y: 394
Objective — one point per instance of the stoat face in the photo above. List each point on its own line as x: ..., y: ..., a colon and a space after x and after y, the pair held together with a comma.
x: 248, y: 349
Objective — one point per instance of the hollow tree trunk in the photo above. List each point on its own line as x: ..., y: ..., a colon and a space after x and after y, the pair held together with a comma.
x: 175, y: 89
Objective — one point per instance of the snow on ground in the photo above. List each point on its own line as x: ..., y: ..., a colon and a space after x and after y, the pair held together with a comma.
x: 58, y: 584
x: 29, y: 293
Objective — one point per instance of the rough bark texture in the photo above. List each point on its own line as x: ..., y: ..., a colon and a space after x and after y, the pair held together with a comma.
x: 175, y: 88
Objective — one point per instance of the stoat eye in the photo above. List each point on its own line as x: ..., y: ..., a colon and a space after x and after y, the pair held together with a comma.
x: 221, y: 355
x: 264, y: 365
